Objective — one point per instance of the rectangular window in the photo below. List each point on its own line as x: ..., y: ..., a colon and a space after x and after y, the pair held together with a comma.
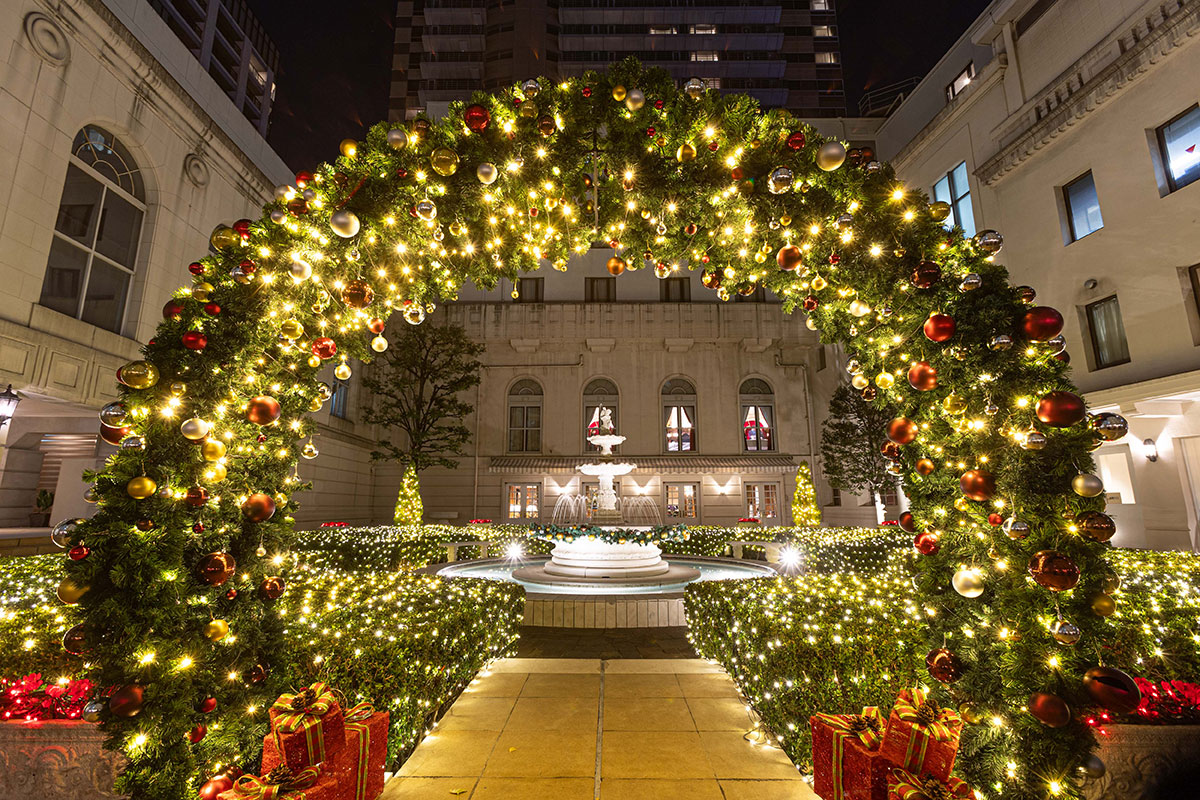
x: 683, y: 500
x: 592, y: 414
x: 1194, y: 275
x: 339, y: 401
x: 1109, y: 347
x: 955, y: 189
x: 675, y: 290
x: 600, y: 290
x: 762, y: 501
x: 712, y: 83
x: 1177, y: 143
x: 530, y: 290
x: 679, y: 425
x: 1083, y: 207
x: 836, y: 499
x: 821, y: 362
x: 524, y: 501
x: 524, y: 429
x: 662, y: 31
x: 758, y: 428
x: 819, y: 5
x: 706, y: 55
x: 703, y: 30
x: 961, y: 81
x: 826, y: 58
x: 824, y: 31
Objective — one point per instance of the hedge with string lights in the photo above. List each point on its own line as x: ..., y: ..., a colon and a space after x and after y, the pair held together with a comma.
x: 183, y: 562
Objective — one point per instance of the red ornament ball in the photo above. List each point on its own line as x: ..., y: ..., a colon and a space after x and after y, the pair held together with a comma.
x: 658, y: 104
x: 303, y: 178
x: 1041, y: 323
x: 944, y: 665
x: 79, y: 552
x: 196, y: 496
x: 172, y: 309
x: 231, y: 594
x: 651, y: 131
x: 1061, y: 409
x: 242, y: 226
x: 259, y: 507
x: 208, y: 705
x: 906, y: 522
x: 197, y: 734
x: 1049, y: 709
x: 114, y: 435
x: 926, y: 275
x: 810, y: 303
x: 795, y: 140
x: 586, y: 91
x: 194, y: 340
x: 127, y: 701
x: 263, y: 410
x: 375, y: 326
x: 214, y: 787
x: 789, y: 257
x: 927, y: 543
x: 247, y: 265
x: 1112, y: 689
x: 196, y: 268
x: 324, y: 347
x: 737, y: 173
x: 922, y: 376
x: 902, y: 430
x: 835, y: 259
x: 1053, y: 570
x: 212, y: 309
x: 995, y: 520
x: 978, y: 484
x: 939, y: 327
x: 216, y: 568
x: 477, y: 118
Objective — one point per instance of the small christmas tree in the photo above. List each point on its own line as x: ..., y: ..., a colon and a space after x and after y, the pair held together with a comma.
x: 805, y: 511
x: 409, y: 508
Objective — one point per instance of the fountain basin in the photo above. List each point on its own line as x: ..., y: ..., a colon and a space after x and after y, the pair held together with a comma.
x: 584, y: 558
x: 612, y: 470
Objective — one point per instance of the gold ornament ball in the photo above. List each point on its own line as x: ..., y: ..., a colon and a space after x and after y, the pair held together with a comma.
x: 1103, y: 605
x: 686, y: 152
x: 884, y: 380
x: 314, y: 361
x: 216, y: 630
x: 616, y: 265
x: 309, y: 451
x: 954, y: 404
x: 546, y: 125
x: 831, y: 156
x: 968, y: 582
x: 529, y: 110
x: 223, y: 236
x: 195, y: 429
x: 212, y: 450
x: 139, y: 375
x: 300, y: 270
x: 939, y: 211
x: 217, y: 472
x: 694, y: 88
x: 444, y: 161
x: 342, y: 372
x: 1112, y: 583
x: 314, y: 404
x: 291, y: 329
x: 141, y: 487
x: 1087, y: 485
x: 379, y: 344
x: 860, y: 382
x: 69, y: 592
x: 618, y: 93
x: 201, y: 291
x: 348, y: 148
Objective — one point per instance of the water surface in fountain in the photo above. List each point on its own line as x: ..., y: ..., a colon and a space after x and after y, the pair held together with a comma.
x: 709, y: 570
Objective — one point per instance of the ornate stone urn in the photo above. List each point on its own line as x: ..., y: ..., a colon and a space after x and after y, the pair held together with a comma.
x: 1148, y: 762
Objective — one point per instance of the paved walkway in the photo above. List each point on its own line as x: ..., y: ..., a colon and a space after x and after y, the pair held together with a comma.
x: 585, y: 729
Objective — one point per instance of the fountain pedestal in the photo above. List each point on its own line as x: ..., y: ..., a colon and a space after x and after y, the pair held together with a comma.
x: 585, y: 558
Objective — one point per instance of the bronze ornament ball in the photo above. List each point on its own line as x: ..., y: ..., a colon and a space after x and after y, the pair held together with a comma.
x: 1112, y: 689
x: 615, y: 265
x: 263, y: 410
x: 1095, y: 525
x: 1049, y: 709
x: 789, y: 257
x: 902, y: 430
x: 1065, y: 633
x: 259, y: 507
x: 926, y: 275
x: 925, y: 466
x: 216, y: 568
x: 1103, y: 605
x: 358, y: 294
x: 271, y: 588
x: 114, y: 435
x: 944, y: 665
x: 978, y: 484
x: 196, y: 496
x: 906, y: 522
x: 1053, y: 570
x: 939, y: 327
x: 127, y: 701
x: 1061, y: 409
x: 922, y: 376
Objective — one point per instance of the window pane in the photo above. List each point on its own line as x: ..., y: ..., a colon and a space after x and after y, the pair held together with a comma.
x: 514, y: 502
x: 1180, y: 139
x: 107, y: 288
x: 516, y: 417
x: 120, y: 224
x: 516, y: 441
x: 959, y: 178
x: 771, y: 501
x: 533, y: 441
x: 964, y: 215
x: 1083, y: 206
x: 64, y: 277
x: 77, y: 212
x: 531, y: 501
x: 533, y: 417
x: 1108, y: 333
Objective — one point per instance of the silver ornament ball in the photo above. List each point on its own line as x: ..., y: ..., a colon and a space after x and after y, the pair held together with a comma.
x: 967, y: 582
x: 635, y: 99
x: 397, y: 138
x: 970, y: 282
x: 831, y: 156
x: 780, y: 180
x: 694, y: 88
x: 64, y: 532
x: 989, y: 241
x: 426, y: 210
x: 486, y: 173
x: 345, y: 223
x: 1087, y: 485
x: 530, y: 88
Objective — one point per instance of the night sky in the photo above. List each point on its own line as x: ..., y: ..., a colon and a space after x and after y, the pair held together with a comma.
x: 336, y: 60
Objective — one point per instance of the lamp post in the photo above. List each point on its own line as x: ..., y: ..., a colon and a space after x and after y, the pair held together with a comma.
x: 8, y: 404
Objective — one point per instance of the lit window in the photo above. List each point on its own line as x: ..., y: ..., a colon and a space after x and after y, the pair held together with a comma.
x: 524, y: 501
x: 824, y: 31
x: 819, y: 5
x: 758, y: 416
x: 683, y: 500
x: 599, y: 393
x: 711, y: 83
x: 827, y: 58
x: 762, y: 501
x: 675, y: 290
x: 960, y: 82
x: 530, y: 290
x: 525, y: 417
x: 339, y: 401
x: 1177, y: 143
x: 955, y: 189
x: 661, y: 31
x: 97, y: 231
x: 706, y: 55
x: 703, y: 30
x: 600, y: 290
x: 679, y: 416
x: 1109, y: 347
x: 1083, y: 207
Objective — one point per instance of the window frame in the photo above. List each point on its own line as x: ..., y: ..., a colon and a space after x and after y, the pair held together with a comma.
x: 758, y: 401
x: 682, y: 403
x: 589, y: 290
x: 1160, y: 137
x: 1072, y: 233
x: 590, y: 404
x: 524, y: 401
x: 667, y: 486
x: 956, y: 199
x: 1095, y: 343
x: 969, y: 72
x: 749, y: 486
x: 665, y: 289
x: 506, y: 501
x: 339, y: 399
x: 539, y: 290
x: 91, y: 250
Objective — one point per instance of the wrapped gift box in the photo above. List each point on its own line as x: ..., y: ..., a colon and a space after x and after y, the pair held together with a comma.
x: 282, y: 783
x: 920, y: 736
x: 903, y: 785
x: 360, y: 765
x: 846, y: 761
x: 308, y: 727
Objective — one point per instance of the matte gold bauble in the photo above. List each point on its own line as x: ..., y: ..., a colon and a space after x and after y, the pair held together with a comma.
x: 216, y: 472
x: 141, y: 487
x: 212, y: 450
x: 1103, y: 605
x: 618, y: 93
x: 831, y: 156
x: 342, y: 371
x: 69, y: 592
x: 216, y: 630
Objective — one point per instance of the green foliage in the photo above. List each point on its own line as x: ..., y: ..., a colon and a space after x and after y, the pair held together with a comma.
x: 44, y: 500
x: 850, y: 441
x: 409, y: 508
x: 806, y: 512
x: 32, y: 620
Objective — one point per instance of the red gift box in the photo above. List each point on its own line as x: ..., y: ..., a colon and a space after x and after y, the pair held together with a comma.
x: 308, y: 726
x: 310, y: 783
x: 921, y: 737
x: 360, y: 765
x: 846, y: 760
x: 903, y: 785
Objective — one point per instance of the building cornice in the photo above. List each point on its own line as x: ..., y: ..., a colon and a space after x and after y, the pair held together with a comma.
x: 1071, y: 97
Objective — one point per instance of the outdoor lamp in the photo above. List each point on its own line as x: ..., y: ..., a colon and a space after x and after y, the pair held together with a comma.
x: 8, y: 404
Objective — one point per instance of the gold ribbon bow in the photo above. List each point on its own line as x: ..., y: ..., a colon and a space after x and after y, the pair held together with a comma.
x: 281, y: 782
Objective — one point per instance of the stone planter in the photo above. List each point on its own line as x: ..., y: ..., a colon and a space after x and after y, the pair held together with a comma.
x: 1148, y: 762
x: 60, y: 759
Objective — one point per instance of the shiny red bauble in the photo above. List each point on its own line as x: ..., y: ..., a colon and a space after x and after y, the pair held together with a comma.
x: 902, y: 430
x: 242, y: 226
x: 197, y: 734
x: 214, y: 787
x: 258, y: 507
x: 79, y: 552
x: 212, y: 309
x: 194, y: 340
x: 926, y: 275
x: 944, y: 665
x: 906, y: 522
x: 922, y: 376
x: 1053, y: 570
x: 127, y: 701
x: 324, y: 347
x: 995, y: 520
x: 114, y: 435
x: 927, y: 543
x: 939, y: 327
x: 247, y: 266
x: 375, y: 326
x: 263, y: 410
x: 1112, y: 689
x: 216, y: 568
x: 477, y: 118
x: 795, y: 140
x: 208, y: 705
x: 196, y: 496
x: 1041, y: 323
x: 172, y: 309
x: 978, y: 484
x: 1061, y: 409
x: 1049, y: 709
x: 196, y: 268
x: 303, y: 178
x: 789, y: 257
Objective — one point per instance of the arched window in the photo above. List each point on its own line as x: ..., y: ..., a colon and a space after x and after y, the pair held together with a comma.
x: 525, y: 417
x: 96, y: 234
x: 599, y: 393
x: 679, y: 416
x: 758, y: 415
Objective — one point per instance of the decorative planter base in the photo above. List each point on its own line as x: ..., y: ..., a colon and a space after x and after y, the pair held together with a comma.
x: 1148, y: 762
x: 60, y: 759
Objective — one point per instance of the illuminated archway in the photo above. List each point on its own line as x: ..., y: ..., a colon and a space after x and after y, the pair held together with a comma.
x: 989, y: 435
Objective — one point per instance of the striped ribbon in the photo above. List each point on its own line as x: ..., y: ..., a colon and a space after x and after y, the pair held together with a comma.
x: 356, y: 721
x: 303, y: 711
x: 928, y: 722
x: 903, y: 785
x: 865, y: 726
x: 277, y: 784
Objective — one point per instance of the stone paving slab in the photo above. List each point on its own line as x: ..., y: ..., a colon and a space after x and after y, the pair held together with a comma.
x: 592, y: 729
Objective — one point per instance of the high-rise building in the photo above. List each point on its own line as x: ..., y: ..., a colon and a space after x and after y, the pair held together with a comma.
x: 783, y: 52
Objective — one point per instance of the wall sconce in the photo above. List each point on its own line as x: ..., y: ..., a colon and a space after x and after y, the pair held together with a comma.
x: 1150, y: 450
x: 8, y: 404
